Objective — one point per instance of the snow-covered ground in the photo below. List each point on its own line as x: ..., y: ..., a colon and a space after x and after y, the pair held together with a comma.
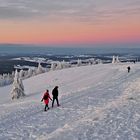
x: 98, y: 102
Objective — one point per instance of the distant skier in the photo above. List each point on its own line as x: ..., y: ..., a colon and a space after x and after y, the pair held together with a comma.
x: 128, y: 68
x: 55, y: 96
x: 46, y: 98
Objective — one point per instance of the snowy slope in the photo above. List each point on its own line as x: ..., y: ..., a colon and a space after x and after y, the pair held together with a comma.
x: 98, y: 102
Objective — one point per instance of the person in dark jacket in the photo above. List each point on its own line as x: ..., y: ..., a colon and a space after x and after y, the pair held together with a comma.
x: 128, y: 68
x: 46, y: 98
x: 55, y: 96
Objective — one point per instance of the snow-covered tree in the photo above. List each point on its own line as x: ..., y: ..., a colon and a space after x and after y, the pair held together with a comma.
x: 18, y: 88
x: 59, y: 66
x: 91, y: 61
x: 21, y: 74
x: 65, y: 64
x: 115, y: 59
x: 6, y: 79
x: 16, y: 74
x: 53, y: 66
x: 13, y: 74
x: 79, y: 62
x: 29, y: 73
x: 1, y: 80
x: 40, y: 69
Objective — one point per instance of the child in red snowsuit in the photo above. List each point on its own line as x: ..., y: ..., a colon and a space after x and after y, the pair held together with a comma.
x: 46, y: 98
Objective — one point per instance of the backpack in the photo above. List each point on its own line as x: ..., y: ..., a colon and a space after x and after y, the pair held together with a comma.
x: 45, y: 97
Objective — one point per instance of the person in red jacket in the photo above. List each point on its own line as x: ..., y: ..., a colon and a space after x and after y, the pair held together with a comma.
x: 46, y: 98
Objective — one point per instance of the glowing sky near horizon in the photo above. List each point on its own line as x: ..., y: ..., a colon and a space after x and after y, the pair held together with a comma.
x: 69, y: 21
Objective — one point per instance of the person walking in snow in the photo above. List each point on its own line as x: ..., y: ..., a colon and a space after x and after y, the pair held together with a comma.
x: 46, y: 98
x: 55, y: 96
x: 128, y: 68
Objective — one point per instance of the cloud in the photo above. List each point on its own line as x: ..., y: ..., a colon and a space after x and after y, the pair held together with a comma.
x: 79, y: 10
x: 12, y: 13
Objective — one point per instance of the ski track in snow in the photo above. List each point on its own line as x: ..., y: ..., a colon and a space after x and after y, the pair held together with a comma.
x: 101, y: 107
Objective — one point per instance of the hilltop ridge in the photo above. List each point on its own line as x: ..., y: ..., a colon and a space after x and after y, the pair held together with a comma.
x: 97, y: 102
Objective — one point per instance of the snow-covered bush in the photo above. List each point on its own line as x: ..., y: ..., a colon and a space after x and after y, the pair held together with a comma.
x: 18, y: 88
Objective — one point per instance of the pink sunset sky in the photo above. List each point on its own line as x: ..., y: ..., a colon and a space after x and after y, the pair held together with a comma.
x: 69, y: 21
